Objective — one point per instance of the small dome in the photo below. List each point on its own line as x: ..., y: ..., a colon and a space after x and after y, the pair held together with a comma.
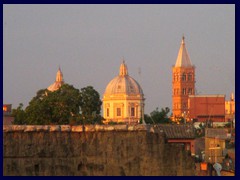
x: 58, y: 83
x: 123, y: 84
x: 55, y: 86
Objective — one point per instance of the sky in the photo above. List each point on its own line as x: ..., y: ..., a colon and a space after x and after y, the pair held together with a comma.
x: 88, y: 42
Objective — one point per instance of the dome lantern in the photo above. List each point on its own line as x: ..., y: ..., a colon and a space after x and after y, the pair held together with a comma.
x: 59, y: 76
x: 123, y: 71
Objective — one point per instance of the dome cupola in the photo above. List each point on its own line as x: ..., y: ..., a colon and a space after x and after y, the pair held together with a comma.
x: 123, y: 83
x: 123, y: 99
x: 58, y: 83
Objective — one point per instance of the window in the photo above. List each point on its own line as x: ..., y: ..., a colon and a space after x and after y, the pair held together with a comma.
x: 190, y: 91
x: 107, y: 112
x: 118, y: 111
x: 176, y: 77
x: 132, y: 111
x: 184, y: 91
x: 184, y: 77
x: 184, y: 105
x: 189, y: 77
x: 175, y: 91
x: 131, y: 89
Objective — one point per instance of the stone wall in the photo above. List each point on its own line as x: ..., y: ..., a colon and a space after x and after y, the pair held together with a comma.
x: 100, y: 150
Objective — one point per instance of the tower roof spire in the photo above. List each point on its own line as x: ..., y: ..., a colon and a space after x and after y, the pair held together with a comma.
x: 183, y: 59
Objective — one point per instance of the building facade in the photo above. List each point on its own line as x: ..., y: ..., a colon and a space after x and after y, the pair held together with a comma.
x: 183, y: 82
x: 215, y: 144
x: 206, y: 108
x: 123, y: 99
x: 7, y: 114
x: 230, y: 109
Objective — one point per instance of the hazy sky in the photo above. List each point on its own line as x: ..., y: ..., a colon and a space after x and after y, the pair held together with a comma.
x: 89, y: 41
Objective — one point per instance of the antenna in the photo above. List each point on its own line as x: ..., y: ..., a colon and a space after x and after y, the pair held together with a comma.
x: 211, y: 111
x: 139, y: 72
x: 142, y: 103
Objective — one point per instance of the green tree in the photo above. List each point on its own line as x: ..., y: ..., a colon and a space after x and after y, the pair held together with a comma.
x: 200, y: 132
x: 158, y: 117
x: 90, y: 105
x: 37, y: 112
x: 58, y: 107
x: 19, y: 115
x: 67, y: 105
x: 147, y: 119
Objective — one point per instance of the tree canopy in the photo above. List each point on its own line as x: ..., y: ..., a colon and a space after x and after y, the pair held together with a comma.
x: 65, y: 106
x: 19, y: 114
x: 90, y: 105
x: 158, y: 117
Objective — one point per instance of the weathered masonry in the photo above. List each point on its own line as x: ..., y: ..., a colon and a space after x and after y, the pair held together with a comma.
x: 94, y: 150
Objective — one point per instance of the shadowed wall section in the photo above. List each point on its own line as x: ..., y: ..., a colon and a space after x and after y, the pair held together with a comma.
x: 97, y: 150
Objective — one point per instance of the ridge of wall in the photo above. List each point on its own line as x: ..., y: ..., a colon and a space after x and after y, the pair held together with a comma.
x: 80, y: 128
x: 92, y: 150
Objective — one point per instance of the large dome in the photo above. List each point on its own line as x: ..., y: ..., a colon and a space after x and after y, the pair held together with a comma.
x: 123, y: 99
x: 123, y: 84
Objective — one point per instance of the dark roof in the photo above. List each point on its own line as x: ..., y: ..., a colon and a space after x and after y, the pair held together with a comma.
x: 178, y: 131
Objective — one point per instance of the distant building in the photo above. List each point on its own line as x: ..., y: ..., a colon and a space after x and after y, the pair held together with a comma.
x: 7, y: 114
x: 58, y: 83
x: 230, y: 109
x: 123, y: 99
x: 216, y: 140
x: 7, y: 109
x: 183, y: 82
x: 204, y: 108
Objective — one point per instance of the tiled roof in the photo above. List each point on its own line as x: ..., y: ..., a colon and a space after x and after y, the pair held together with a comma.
x: 178, y: 131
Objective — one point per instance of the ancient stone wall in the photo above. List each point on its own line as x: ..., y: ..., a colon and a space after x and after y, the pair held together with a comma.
x: 100, y: 150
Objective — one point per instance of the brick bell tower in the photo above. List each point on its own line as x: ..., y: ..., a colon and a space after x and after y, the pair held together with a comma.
x: 183, y: 83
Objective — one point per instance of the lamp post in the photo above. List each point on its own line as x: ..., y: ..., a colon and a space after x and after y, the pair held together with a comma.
x: 184, y: 117
x: 129, y: 107
x: 142, y: 114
